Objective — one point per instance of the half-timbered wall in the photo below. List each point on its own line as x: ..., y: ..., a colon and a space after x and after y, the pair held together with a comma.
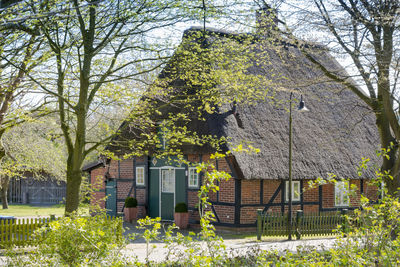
x: 237, y: 201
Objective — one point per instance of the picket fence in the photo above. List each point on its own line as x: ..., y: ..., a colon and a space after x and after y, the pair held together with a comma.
x: 311, y: 224
x: 19, y: 232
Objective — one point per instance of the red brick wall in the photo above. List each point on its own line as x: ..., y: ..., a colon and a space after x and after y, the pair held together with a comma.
x: 126, y: 171
x: 226, y: 214
x: 223, y: 165
x: 270, y: 186
x: 251, y: 192
x: 98, y: 187
x: 126, y: 168
x: 370, y: 190
x: 310, y: 194
x: 248, y: 215
x: 226, y: 193
x: 122, y: 169
x: 193, y: 199
x: 113, y: 168
x: 251, y: 195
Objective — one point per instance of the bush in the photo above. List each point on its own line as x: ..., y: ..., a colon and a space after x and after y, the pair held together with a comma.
x: 130, y: 202
x: 181, y: 207
x: 75, y: 241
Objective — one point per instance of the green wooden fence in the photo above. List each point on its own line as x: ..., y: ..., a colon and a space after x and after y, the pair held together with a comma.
x: 18, y: 232
x: 311, y: 224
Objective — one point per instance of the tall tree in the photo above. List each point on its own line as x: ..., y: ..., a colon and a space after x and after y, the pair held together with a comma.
x: 366, y: 33
x: 20, y: 53
x: 99, y: 50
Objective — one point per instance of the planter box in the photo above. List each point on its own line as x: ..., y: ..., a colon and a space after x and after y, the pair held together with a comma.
x: 130, y: 214
x: 181, y: 219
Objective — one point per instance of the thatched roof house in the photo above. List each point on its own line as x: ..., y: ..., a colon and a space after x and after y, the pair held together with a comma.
x: 333, y: 137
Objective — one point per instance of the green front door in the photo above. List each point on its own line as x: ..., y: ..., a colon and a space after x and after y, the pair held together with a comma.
x: 167, y: 193
x: 154, y: 193
x: 111, y: 200
x: 167, y: 186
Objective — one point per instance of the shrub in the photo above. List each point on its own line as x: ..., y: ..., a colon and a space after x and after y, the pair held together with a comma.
x: 130, y: 202
x: 181, y: 207
x: 75, y: 241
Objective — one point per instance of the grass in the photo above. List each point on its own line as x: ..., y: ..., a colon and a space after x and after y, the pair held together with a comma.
x: 33, y: 211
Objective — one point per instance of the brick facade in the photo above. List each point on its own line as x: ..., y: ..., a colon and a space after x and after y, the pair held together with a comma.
x: 98, y: 187
x: 237, y: 201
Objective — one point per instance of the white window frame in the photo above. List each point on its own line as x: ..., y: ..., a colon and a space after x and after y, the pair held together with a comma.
x: 193, y: 170
x: 137, y: 180
x: 342, y: 198
x: 295, y: 196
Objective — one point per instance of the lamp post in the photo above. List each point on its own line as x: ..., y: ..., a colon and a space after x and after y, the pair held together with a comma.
x: 301, y: 108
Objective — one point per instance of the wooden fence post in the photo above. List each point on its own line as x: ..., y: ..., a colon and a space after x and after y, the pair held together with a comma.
x: 259, y: 224
x: 299, y: 216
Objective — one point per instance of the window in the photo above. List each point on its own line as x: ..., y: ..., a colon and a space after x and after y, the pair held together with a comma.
x: 295, y: 191
x: 193, y: 178
x: 139, y: 175
x: 168, y: 181
x: 342, y: 193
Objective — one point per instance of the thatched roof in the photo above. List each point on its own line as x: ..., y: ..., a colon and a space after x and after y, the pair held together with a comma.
x: 331, y: 138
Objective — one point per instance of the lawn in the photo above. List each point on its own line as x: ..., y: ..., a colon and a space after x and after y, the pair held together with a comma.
x: 32, y: 211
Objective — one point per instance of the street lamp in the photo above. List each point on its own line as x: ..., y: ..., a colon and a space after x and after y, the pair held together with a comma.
x: 300, y: 108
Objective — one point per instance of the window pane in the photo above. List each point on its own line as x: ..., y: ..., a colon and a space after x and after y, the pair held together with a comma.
x: 342, y: 193
x: 167, y: 181
x: 295, y: 191
x: 140, y: 175
x: 193, y: 178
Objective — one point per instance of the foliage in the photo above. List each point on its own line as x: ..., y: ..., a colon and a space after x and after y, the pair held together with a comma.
x: 76, y: 241
x: 46, y: 158
x: 370, y: 238
x: 181, y: 207
x: 130, y: 202
x: 102, y: 54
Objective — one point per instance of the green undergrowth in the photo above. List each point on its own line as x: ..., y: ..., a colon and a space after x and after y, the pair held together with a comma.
x: 369, y: 237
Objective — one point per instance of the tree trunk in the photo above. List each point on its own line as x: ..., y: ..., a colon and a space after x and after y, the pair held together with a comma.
x: 4, y: 188
x: 74, y: 179
x: 390, y: 164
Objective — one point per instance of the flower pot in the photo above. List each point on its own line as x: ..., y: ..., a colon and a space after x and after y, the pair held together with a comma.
x: 130, y: 214
x: 181, y: 219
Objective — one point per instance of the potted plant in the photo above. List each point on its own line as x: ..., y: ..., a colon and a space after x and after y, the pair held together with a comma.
x: 130, y: 210
x: 181, y: 215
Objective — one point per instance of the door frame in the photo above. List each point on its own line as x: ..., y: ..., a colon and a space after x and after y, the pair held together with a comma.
x: 160, y: 191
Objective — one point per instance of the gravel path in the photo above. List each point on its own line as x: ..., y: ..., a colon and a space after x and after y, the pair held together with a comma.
x: 234, y: 243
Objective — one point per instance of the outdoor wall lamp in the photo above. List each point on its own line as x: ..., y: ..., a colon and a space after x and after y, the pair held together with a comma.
x: 300, y: 108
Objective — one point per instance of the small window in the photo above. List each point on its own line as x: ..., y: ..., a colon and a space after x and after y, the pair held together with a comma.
x: 193, y: 178
x: 342, y: 193
x: 139, y: 175
x: 295, y: 191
